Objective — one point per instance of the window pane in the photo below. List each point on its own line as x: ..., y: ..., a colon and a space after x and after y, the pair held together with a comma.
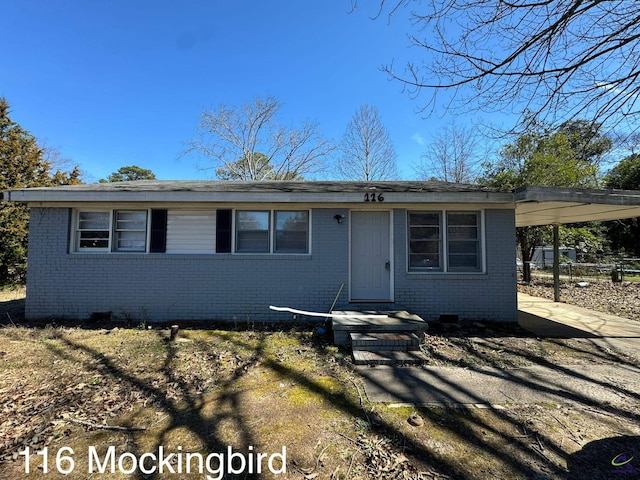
x: 252, y: 241
x: 93, y: 231
x: 131, y: 221
x: 252, y: 232
x: 463, y: 245
x: 94, y: 239
x: 131, y: 230
x: 424, y: 218
x: 131, y: 241
x: 292, y: 232
x: 463, y: 233
x: 424, y: 262
x: 462, y: 218
x: 252, y: 221
x: 464, y: 263
x: 424, y: 241
x: 93, y: 221
x: 425, y: 233
x: 424, y: 247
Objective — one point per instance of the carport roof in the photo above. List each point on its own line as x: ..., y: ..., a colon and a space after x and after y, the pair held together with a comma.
x: 557, y: 205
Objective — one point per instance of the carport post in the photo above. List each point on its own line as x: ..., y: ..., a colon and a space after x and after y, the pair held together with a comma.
x: 556, y: 263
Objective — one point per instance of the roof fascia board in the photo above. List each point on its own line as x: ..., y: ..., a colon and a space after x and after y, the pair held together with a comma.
x: 577, y: 195
x: 44, y: 195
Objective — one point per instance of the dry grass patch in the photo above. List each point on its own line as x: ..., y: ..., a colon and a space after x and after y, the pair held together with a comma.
x: 134, y: 390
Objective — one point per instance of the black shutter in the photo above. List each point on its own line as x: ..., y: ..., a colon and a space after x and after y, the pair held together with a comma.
x: 158, y: 231
x: 223, y: 231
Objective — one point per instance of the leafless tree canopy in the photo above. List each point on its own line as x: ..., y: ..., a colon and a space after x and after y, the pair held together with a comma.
x: 546, y: 60
x: 246, y: 143
x: 366, y: 151
x: 452, y: 155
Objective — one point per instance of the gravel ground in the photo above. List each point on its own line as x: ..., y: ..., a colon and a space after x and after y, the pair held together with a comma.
x: 621, y: 299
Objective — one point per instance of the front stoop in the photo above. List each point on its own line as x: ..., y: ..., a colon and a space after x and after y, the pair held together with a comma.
x: 381, y: 338
x: 398, y: 321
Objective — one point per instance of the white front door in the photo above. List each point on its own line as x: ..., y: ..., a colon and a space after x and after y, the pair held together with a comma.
x: 370, y: 256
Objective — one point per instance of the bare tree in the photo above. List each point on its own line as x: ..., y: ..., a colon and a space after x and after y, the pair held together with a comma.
x: 546, y: 60
x: 366, y: 151
x: 246, y: 143
x: 454, y: 154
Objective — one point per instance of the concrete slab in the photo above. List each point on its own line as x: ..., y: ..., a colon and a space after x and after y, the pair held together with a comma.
x: 590, y: 385
x: 393, y: 321
x: 547, y: 318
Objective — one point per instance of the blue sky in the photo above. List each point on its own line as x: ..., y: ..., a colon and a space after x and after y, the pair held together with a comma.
x: 114, y: 83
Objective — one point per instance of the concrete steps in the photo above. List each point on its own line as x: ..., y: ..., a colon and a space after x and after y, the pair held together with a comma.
x: 364, y: 357
x: 381, y: 338
x: 392, y: 341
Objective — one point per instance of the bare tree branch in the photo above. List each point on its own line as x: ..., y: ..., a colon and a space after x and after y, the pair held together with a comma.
x: 366, y: 151
x: 246, y: 143
x: 454, y: 154
x: 549, y: 60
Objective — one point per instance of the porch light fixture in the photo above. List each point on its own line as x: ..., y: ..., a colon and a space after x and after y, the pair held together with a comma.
x: 339, y: 218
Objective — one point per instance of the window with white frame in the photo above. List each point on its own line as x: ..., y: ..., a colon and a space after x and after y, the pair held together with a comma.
x: 265, y: 231
x: 93, y: 231
x: 445, y: 241
x: 425, y: 241
x: 252, y: 232
x: 292, y: 232
x: 130, y: 229
x: 463, y: 242
x: 118, y: 231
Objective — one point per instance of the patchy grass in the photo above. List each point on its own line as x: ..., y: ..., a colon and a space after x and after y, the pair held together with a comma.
x: 134, y: 390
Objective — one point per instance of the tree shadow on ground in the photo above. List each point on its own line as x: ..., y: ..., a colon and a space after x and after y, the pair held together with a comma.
x: 532, y: 452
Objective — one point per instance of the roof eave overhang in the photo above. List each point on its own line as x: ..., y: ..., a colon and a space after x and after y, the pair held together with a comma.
x: 537, y: 206
x: 50, y: 196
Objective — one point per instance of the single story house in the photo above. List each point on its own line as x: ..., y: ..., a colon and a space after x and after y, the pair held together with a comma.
x: 199, y: 250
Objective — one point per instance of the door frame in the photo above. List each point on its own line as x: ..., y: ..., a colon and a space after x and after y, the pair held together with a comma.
x: 391, y: 296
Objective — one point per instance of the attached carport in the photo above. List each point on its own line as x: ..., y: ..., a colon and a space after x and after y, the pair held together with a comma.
x: 537, y: 206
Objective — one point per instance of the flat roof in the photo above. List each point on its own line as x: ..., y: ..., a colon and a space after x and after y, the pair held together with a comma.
x: 533, y: 205
x: 558, y: 205
x: 267, y: 191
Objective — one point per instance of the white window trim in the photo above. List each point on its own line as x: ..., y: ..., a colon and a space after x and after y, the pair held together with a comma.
x: 76, y: 231
x: 272, y: 231
x: 75, y: 239
x: 444, y: 250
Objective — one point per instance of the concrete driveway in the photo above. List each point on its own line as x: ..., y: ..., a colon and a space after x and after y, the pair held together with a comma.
x: 610, y: 384
x: 547, y: 318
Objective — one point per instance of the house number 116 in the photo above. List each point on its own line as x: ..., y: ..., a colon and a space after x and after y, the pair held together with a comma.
x: 372, y: 197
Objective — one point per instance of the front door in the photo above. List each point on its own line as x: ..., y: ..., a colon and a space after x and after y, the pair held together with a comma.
x: 370, y: 256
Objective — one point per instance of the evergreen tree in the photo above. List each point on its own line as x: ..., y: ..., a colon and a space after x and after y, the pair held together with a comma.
x: 22, y: 165
x: 129, y: 174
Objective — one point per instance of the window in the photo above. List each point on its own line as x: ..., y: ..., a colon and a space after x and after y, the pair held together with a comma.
x: 252, y: 232
x: 280, y: 231
x: 130, y: 230
x: 118, y: 231
x: 444, y: 242
x: 425, y: 241
x: 463, y: 242
x: 292, y: 232
x: 93, y: 231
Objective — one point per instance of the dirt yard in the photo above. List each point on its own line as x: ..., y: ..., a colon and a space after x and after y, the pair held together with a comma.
x: 79, y: 392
